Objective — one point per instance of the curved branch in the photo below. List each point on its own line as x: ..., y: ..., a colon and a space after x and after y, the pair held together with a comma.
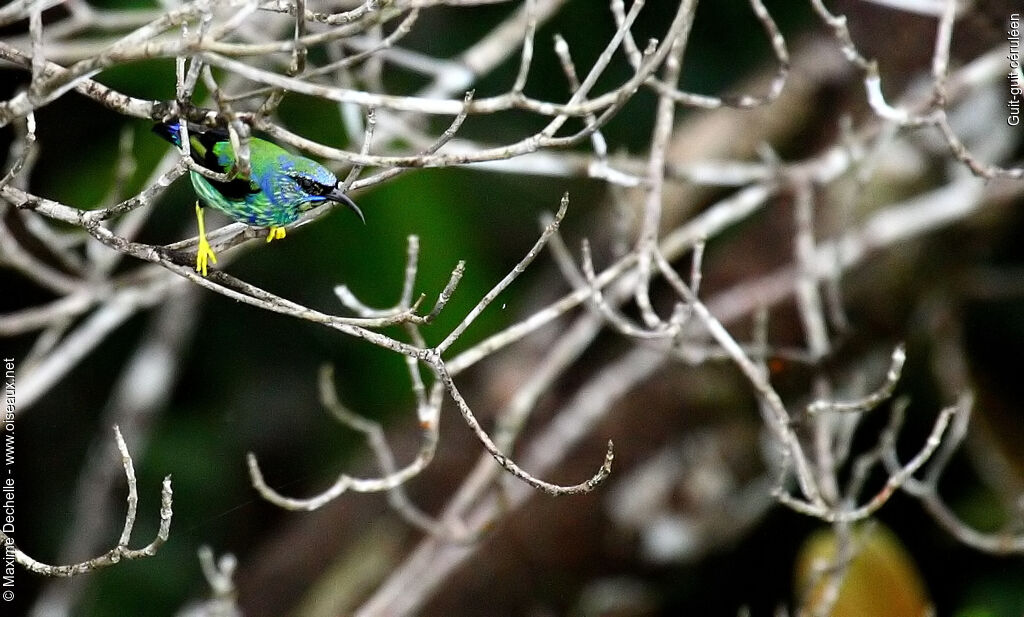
x: 504, y: 460
x: 393, y: 479
x: 121, y: 550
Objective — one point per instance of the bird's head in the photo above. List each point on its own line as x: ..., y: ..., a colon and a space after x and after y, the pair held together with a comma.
x: 308, y: 184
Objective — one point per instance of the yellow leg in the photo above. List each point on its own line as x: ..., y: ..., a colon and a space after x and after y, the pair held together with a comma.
x: 275, y: 233
x: 204, y: 253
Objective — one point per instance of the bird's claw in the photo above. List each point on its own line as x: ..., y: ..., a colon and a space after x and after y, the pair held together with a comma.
x: 204, y: 255
x: 275, y: 233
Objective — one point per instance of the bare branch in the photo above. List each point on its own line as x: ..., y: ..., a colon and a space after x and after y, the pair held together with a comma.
x: 121, y: 551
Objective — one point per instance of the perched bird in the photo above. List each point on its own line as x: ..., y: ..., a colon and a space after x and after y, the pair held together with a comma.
x: 280, y: 187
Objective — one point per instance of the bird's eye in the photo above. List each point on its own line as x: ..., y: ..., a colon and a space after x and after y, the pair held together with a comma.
x: 310, y: 186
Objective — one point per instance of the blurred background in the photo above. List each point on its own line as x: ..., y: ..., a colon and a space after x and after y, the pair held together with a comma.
x: 686, y: 524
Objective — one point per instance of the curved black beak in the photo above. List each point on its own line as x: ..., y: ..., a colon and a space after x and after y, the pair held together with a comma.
x: 342, y: 198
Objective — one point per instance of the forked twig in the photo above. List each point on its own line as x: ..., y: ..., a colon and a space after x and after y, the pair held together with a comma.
x: 121, y: 550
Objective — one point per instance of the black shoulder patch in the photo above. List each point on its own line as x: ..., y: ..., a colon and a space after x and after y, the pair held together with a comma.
x: 236, y: 189
x: 208, y: 139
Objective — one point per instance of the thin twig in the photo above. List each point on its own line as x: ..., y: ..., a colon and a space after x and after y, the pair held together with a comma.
x: 121, y: 550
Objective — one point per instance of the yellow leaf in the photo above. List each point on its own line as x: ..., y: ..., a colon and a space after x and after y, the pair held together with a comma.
x: 881, y: 578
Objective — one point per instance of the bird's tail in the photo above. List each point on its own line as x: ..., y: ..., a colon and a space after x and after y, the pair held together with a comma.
x: 169, y: 131
x: 201, y: 141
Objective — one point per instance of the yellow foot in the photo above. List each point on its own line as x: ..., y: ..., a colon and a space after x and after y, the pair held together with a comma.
x: 204, y: 253
x: 275, y: 233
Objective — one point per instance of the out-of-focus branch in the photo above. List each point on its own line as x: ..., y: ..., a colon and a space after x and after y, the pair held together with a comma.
x: 219, y: 574
x: 250, y: 54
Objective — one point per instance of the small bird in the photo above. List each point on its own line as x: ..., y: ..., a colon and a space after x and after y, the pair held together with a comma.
x: 280, y: 187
